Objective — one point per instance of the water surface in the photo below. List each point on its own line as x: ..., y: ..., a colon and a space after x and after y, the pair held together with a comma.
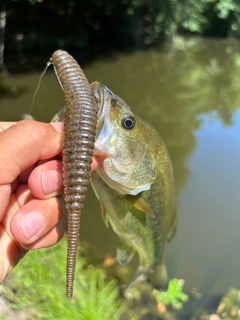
x: 190, y: 92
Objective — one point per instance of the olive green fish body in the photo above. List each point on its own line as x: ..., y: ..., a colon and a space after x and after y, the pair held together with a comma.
x: 134, y: 184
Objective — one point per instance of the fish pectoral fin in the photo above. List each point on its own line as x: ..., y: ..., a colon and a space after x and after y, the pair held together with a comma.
x: 124, y: 253
x: 104, y: 212
x: 141, y: 204
x: 139, y: 275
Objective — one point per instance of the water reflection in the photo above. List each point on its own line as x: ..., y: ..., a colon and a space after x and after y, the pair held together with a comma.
x: 190, y: 93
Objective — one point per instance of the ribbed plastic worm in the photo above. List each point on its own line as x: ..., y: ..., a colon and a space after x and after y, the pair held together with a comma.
x: 79, y: 137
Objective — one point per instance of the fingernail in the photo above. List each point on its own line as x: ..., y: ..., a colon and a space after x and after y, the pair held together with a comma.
x: 50, y: 180
x: 32, y: 223
x: 59, y: 126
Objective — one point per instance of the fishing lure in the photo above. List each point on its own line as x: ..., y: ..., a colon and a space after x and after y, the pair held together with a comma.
x: 80, y: 122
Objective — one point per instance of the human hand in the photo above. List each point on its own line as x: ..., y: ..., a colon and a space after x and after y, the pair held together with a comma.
x: 30, y: 186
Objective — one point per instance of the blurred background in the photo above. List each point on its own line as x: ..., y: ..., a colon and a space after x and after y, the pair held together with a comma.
x: 177, y: 64
x: 94, y: 27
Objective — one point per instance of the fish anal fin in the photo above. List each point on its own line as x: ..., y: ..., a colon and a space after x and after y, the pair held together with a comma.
x: 141, y: 204
x: 104, y: 212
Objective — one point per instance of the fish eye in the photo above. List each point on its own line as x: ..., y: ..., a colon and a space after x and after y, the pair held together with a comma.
x: 128, y: 122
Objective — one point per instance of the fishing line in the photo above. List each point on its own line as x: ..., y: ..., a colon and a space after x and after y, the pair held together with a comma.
x: 28, y: 115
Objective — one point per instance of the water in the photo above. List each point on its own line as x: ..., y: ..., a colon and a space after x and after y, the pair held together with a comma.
x: 190, y: 93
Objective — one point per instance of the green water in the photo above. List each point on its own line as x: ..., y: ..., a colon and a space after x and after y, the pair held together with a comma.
x: 190, y: 92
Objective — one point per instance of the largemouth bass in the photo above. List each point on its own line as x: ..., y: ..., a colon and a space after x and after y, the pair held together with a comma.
x: 134, y: 185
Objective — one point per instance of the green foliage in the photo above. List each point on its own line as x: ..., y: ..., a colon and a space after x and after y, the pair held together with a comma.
x: 39, y: 283
x: 224, y: 8
x: 35, y: 1
x: 174, y: 296
x: 94, y: 26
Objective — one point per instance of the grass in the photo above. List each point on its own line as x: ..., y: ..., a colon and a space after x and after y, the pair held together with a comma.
x: 38, y: 282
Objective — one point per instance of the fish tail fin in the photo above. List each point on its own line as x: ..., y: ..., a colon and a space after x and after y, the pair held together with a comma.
x: 159, y: 279
x: 139, y: 275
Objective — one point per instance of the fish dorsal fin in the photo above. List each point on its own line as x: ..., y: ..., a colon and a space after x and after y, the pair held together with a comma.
x: 172, y: 229
x: 104, y: 212
x: 141, y: 204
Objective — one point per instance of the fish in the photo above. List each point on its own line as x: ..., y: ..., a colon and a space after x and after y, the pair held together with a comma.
x: 134, y: 183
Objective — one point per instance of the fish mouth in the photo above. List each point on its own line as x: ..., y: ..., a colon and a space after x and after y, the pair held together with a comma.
x: 102, y: 96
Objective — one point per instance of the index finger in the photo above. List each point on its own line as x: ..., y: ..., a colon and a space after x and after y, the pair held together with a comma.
x: 22, y: 144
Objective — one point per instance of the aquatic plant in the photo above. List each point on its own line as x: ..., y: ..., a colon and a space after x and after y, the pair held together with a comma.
x: 38, y: 282
x: 229, y: 307
x: 174, y: 296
